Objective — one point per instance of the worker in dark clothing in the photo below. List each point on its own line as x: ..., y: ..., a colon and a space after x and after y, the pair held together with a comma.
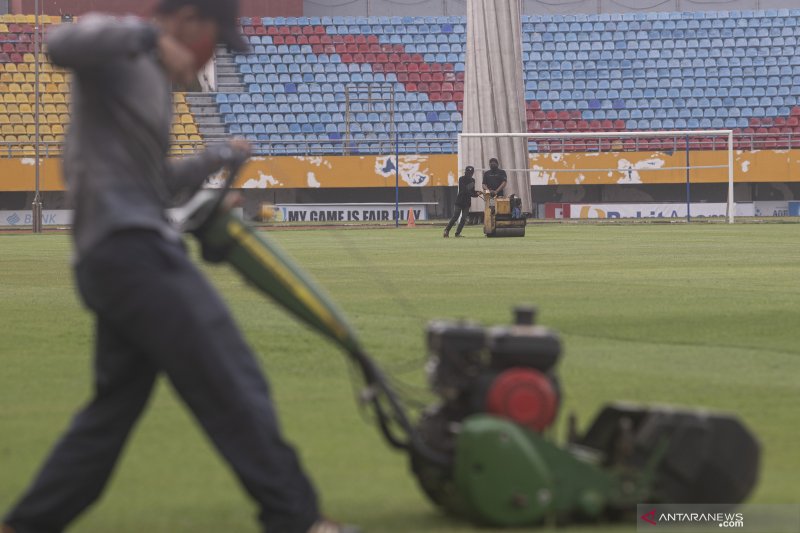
x: 495, y: 179
x: 155, y: 312
x: 466, y: 192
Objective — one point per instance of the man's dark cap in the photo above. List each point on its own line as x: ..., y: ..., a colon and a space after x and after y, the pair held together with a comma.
x: 494, y: 159
x: 470, y: 169
x: 224, y: 12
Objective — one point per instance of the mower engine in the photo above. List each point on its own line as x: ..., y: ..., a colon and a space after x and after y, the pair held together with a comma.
x: 499, y: 394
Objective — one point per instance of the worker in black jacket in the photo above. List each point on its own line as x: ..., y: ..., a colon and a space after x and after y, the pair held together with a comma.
x: 466, y: 191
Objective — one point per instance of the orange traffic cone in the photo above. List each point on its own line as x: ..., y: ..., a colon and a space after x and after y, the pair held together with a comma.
x: 412, y: 223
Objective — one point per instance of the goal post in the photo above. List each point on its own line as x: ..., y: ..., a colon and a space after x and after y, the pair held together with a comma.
x: 679, y: 136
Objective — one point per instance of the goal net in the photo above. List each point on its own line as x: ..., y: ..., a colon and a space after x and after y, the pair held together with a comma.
x: 628, y: 158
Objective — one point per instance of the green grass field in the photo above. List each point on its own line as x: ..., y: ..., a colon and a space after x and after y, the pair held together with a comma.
x: 691, y: 315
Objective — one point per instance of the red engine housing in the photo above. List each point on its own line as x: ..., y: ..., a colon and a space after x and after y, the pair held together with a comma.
x: 524, y: 396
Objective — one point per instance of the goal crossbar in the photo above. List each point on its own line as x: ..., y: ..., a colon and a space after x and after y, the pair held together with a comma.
x: 617, y: 135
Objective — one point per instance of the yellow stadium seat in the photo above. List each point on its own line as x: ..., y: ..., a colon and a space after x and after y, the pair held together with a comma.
x: 13, y: 109
x: 44, y: 129
x: 30, y: 19
x: 27, y: 88
x: 8, y: 98
x: 10, y: 138
x: 48, y: 139
x: 57, y: 129
x: 196, y: 138
x: 20, y: 18
x: 3, y: 88
x: 7, y: 18
x: 50, y: 88
x: 11, y: 67
x: 6, y: 77
x: 26, y: 108
x: 57, y: 77
x: 178, y: 129
x: 63, y: 119
x: 187, y: 119
x: 47, y: 98
x: 22, y: 67
x: 181, y: 109
x: 180, y: 98
x: 2, y: 67
x: 22, y: 98
x: 63, y: 88
x: 19, y: 129
x: 28, y: 119
x: 47, y: 67
x: 28, y: 151
x: 191, y: 129
x: 19, y: 77
x: 3, y: 109
x: 44, y: 77
x: 4, y: 119
x: 3, y: 28
x: 49, y: 108
x: 28, y: 58
x: 52, y: 119
x: 7, y: 129
x: 30, y: 77
x: 62, y: 109
x: 59, y: 98
x: 13, y: 87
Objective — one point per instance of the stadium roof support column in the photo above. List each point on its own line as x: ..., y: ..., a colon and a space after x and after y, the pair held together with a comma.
x: 494, y: 96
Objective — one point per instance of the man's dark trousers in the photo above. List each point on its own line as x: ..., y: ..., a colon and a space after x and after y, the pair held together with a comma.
x: 157, y: 313
x: 463, y: 212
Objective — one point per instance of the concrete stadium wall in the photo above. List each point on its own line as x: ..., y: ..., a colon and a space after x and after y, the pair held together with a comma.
x: 423, y: 171
x: 532, y: 7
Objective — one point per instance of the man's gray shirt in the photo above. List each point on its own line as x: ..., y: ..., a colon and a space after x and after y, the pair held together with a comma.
x: 116, y: 163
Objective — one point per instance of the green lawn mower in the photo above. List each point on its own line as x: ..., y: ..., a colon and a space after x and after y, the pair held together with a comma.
x: 484, y: 450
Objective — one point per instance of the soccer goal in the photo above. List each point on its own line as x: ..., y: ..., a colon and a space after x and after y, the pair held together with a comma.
x: 573, y: 158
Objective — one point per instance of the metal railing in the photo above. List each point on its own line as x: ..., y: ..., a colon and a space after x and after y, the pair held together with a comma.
x: 449, y: 145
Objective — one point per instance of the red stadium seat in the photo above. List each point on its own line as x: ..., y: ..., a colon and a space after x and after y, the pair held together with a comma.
x: 413, y: 67
x: 447, y: 87
x: 377, y: 67
x: 415, y: 77
x: 571, y: 125
x: 291, y: 39
x: 425, y: 76
x: 325, y: 39
x: 308, y: 30
x: 359, y: 58
x: 349, y: 39
x: 424, y: 87
x: 361, y: 39
x: 458, y: 97
x: 303, y: 39
x: 369, y: 58
x: 295, y: 30
x: 424, y: 67
x: 319, y: 30
x: 402, y: 77
x: 563, y: 115
x: 412, y: 87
